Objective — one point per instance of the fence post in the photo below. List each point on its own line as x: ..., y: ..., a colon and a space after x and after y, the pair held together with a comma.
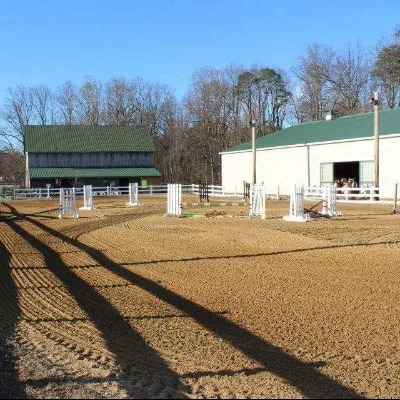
x: 151, y: 190
x: 371, y: 195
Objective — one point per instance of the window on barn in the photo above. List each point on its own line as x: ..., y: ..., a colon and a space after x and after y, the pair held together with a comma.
x: 367, y: 173
x: 327, y: 173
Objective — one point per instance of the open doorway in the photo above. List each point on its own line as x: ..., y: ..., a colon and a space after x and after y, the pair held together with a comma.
x: 347, y: 171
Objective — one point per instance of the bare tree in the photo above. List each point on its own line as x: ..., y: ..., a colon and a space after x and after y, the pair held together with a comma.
x: 120, y: 104
x: 67, y: 102
x: 42, y: 101
x: 313, y: 74
x: 349, y: 76
x: 18, y: 112
x: 12, y: 167
x: 90, y: 102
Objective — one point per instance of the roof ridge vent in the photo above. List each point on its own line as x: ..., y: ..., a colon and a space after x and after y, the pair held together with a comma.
x: 331, y: 115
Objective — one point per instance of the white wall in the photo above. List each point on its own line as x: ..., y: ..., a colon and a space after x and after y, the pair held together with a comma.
x: 287, y: 166
x: 389, y: 165
x: 275, y: 167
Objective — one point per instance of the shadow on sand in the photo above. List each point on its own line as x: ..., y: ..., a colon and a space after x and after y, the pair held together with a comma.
x: 303, y: 376
x: 10, y: 386
x: 133, y: 355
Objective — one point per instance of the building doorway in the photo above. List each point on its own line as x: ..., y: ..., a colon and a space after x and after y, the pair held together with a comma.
x: 347, y: 171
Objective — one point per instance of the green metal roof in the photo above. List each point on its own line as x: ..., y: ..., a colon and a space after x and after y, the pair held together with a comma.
x: 59, y: 173
x: 343, y: 128
x: 87, y: 139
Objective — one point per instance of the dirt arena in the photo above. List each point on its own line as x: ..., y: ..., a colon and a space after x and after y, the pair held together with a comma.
x: 126, y: 303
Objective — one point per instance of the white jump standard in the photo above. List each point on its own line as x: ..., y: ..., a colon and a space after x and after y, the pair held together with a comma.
x: 88, y: 199
x: 174, y: 200
x: 133, y: 195
x: 297, y: 206
x: 330, y: 201
x: 68, y: 203
x: 257, y: 201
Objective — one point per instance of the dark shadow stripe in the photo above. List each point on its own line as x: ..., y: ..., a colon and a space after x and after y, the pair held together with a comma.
x: 129, y: 348
x: 304, y: 377
x: 10, y: 386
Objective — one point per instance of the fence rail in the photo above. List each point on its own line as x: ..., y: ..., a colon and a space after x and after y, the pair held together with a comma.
x: 354, y: 195
x: 119, y: 191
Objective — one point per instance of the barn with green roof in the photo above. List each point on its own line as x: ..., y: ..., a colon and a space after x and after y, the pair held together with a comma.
x: 66, y: 156
x: 320, y: 152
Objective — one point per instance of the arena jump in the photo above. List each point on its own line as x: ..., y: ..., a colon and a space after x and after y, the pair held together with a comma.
x: 175, y: 206
x: 68, y: 203
x: 328, y: 196
x: 88, y: 204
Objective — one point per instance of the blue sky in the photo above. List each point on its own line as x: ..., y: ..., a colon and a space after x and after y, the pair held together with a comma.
x: 49, y: 42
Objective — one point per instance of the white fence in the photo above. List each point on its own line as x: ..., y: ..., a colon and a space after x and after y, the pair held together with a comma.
x: 120, y: 191
x: 361, y: 195
x: 354, y: 195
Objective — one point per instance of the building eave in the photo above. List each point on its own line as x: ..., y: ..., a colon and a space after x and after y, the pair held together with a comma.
x: 370, y: 138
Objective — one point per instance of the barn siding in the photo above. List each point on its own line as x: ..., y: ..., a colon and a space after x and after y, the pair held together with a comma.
x: 91, y: 160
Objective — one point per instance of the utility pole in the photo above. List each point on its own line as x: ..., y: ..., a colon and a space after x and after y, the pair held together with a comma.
x: 253, y: 140
x: 375, y: 102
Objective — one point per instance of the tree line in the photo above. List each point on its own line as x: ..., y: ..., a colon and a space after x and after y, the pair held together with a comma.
x: 215, y: 112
